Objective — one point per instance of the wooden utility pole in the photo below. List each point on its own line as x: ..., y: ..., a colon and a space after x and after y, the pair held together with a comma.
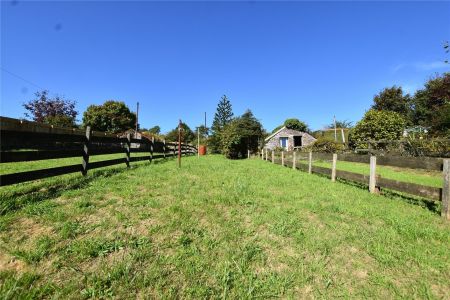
x: 179, y: 144
x: 137, y: 120
x: 198, y: 141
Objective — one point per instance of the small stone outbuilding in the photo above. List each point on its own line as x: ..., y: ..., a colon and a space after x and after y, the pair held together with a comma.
x: 289, y: 139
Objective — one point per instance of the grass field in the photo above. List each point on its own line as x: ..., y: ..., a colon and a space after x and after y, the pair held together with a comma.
x: 216, y: 228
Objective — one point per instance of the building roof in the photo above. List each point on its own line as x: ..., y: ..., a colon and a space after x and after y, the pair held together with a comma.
x: 279, y: 130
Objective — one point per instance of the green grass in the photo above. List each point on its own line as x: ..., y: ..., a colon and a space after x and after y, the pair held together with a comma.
x: 216, y: 228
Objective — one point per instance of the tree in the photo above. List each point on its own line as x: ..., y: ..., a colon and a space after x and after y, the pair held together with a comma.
x: 341, y: 124
x: 187, y: 136
x: 240, y: 135
x: 222, y: 117
x: 111, y: 116
x: 293, y: 123
x: 431, y: 105
x: 155, y: 130
x: 55, y: 111
x: 392, y: 99
x: 377, y: 125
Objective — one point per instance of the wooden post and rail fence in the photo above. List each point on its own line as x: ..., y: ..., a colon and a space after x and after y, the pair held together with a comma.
x: 23, y: 141
x: 374, y: 181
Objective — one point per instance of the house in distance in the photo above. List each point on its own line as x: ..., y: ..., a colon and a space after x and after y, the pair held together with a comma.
x: 288, y: 139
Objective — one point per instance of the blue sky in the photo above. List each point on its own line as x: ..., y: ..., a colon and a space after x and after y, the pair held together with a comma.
x: 280, y: 59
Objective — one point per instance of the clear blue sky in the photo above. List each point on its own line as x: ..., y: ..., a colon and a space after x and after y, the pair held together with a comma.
x: 289, y: 59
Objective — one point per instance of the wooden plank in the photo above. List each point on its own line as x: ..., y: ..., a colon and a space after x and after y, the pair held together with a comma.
x: 427, y: 163
x: 361, y: 178
x: 354, y: 158
x: 30, y: 140
x: 323, y: 156
x: 9, y: 179
x: 411, y: 188
x: 105, y: 163
x: 321, y: 170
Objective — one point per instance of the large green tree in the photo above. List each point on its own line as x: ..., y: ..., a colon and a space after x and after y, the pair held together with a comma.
x: 222, y: 117
x: 240, y: 135
x: 56, y: 111
x: 431, y: 105
x: 293, y: 123
x: 111, y: 116
x: 377, y: 125
x: 392, y: 99
x: 187, y: 135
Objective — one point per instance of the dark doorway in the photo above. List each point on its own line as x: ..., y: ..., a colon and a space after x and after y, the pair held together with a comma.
x: 297, y: 141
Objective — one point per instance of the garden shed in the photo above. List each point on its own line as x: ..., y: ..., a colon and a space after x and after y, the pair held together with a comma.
x: 288, y: 139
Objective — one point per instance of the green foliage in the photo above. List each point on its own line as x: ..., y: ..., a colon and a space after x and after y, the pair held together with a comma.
x: 241, y: 135
x: 340, y: 124
x: 296, y: 124
x: 431, y: 105
x: 155, y: 130
x: 325, y: 144
x: 187, y: 135
x: 277, y: 128
x: 377, y: 125
x: 392, y: 99
x: 293, y: 123
x: 111, y: 116
x: 55, y: 111
x: 222, y: 117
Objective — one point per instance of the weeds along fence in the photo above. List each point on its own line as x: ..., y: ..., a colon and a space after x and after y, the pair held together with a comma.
x: 304, y: 161
x: 23, y: 141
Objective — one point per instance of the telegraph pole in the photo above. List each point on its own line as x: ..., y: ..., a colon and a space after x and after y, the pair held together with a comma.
x: 137, y: 118
x: 179, y: 144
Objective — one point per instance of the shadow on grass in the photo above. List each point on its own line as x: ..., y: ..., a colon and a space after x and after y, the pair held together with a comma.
x: 433, y: 206
x: 15, y: 197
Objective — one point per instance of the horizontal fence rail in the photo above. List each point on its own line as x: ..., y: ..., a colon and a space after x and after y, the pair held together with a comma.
x: 304, y: 161
x: 23, y: 141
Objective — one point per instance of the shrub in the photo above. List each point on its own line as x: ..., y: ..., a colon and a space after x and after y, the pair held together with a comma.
x: 327, y: 145
x: 377, y: 125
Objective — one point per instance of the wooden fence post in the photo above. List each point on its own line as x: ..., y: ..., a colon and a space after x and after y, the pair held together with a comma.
x: 333, y: 168
x: 85, y: 163
x: 151, y: 148
x: 128, y: 150
x: 164, y: 148
x: 282, y: 158
x: 248, y: 153
x: 372, y: 174
x: 310, y: 162
x: 273, y: 156
x: 445, y: 212
x: 294, y: 158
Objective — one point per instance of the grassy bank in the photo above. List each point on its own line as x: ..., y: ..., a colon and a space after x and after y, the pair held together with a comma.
x: 217, y: 228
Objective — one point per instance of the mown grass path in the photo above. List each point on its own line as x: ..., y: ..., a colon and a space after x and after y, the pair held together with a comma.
x: 221, y: 229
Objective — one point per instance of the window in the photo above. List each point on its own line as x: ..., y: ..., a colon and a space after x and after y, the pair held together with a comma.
x: 283, y: 142
x: 298, y: 141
